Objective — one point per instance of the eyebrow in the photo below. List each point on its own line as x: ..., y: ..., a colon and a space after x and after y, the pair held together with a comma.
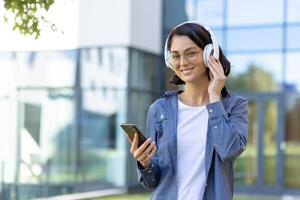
x: 190, y: 48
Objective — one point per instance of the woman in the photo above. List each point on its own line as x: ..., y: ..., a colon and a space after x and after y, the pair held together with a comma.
x: 195, y: 134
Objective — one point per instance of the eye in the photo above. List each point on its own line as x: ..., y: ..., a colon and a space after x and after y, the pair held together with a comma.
x: 175, y: 56
x: 191, y: 53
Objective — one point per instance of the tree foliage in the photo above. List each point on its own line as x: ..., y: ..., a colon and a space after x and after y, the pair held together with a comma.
x: 27, y: 15
x: 254, y: 79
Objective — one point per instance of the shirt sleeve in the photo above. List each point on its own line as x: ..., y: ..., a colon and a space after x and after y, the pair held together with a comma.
x: 229, y: 131
x: 149, y: 177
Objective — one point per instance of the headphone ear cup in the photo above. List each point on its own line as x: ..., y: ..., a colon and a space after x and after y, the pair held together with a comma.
x: 207, y: 52
x: 167, y: 61
x: 166, y: 55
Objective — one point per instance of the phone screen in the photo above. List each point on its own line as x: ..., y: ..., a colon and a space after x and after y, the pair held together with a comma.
x: 130, y: 130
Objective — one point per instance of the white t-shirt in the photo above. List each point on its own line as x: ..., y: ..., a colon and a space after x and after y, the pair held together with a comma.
x: 191, y: 143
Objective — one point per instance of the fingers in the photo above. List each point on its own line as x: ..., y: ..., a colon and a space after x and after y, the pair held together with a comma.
x: 146, y: 157
x: 147, y: 152
x: 152, y: 152
x: 211, y: 67
x: 134, y: 144
x: 216, y: 67
x: 138, y: 152
x: 143, y: 153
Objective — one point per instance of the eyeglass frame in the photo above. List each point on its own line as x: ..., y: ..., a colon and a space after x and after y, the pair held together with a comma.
x: 185, y: 56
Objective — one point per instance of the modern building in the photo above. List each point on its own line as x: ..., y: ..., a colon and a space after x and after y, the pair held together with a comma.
x: 63, y: 97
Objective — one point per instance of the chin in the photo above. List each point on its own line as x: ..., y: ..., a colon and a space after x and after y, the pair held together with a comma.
x: 189, y: 77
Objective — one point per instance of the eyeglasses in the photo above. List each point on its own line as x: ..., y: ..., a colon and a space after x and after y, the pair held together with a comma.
x: 189, y: 55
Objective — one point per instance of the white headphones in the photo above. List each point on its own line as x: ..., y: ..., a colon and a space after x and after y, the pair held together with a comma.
x: 209, y: 49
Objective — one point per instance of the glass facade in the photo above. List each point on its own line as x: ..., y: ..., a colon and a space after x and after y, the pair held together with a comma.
x: 260, y: 38
x: 60, y: 116
x: 246, y: 172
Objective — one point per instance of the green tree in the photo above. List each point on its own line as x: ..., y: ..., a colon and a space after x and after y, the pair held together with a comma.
x: 254, y: 79
x: 27, y: 15
x: 259, y: 80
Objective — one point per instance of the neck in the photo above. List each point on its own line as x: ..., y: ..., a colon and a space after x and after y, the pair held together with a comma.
x: 196, y: 93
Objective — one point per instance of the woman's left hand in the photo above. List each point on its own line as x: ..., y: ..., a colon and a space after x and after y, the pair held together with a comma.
x: 217, y: 79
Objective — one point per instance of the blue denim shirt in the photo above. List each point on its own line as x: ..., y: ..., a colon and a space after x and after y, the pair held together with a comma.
x: 226, y: 139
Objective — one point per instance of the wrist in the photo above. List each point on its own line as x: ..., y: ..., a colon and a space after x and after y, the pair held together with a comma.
x: 144, y: 165
x: 214, y: 98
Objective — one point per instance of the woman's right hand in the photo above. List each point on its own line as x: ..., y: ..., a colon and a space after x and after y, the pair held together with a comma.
x: 144, y: 153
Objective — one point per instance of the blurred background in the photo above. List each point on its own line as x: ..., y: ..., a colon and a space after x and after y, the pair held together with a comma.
x: 64, y: 94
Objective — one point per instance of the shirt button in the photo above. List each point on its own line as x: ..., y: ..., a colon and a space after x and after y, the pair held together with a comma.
x: 162, y: 116
x: 153, y: 179
x: 210, y: 110
x: 215, y: 126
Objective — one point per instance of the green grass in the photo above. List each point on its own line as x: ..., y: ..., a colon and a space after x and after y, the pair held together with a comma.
x: 147, y: 197
x: 127, y: 197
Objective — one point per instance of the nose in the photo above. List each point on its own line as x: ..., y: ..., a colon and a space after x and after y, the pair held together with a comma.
x: 183, y: 60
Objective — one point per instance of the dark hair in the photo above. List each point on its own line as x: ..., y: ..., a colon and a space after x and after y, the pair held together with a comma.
x: 201, y: 37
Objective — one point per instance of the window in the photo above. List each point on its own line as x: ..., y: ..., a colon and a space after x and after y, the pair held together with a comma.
x: 208, y: 12
x: 292, y: 140
x: 143, y: 73
x: 293, y: 10
x: 260, y: 72
x: 254, y: 12
x: 254, y: 39
x: 113, y: 70
x: 293, y: 41
x: 58, y: 71
x: 292, y: 78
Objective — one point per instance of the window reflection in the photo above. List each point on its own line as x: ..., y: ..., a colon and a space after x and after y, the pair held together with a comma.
x: 8, y: 73
x: 105, y: 68
x: 46, y: 136
x: 8, y: 118
x: 219, y: 35
x: 255, y: 73
x: 270, y: 138
x: 139, y: 104
x: 246, y: 165
x: 292, y: 141
x: 293, y: 10
x: 100, y: 119
x: 254, y: 39
x: 292, y: 78
x: 293, y: 33
x: 254, y: 12
x: 143, y: 72
x: 208, y: 12
x: 58, y: 71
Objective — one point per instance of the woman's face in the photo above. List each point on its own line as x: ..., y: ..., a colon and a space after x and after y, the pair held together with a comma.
x: 187, y: 59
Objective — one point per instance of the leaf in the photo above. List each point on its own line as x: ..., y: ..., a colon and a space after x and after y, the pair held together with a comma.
x: 24, y: 13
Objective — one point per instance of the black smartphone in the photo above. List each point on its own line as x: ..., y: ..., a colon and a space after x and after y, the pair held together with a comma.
x: 130, y: 130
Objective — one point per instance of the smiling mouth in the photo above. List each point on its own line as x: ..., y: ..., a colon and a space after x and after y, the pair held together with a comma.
x: 185, y: 70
